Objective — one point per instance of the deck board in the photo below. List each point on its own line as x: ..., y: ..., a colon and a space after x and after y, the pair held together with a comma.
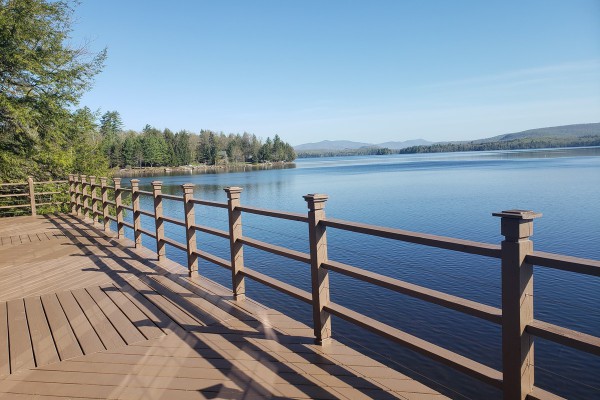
x: 41, y: 337
x: 21, y: 353
x: 93, y: 318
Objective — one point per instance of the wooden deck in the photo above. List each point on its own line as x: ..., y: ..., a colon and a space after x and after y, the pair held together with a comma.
x: 84, y: 315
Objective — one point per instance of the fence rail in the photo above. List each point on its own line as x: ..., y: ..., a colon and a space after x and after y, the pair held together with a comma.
x: 515, y: 252
x: 48, y: 195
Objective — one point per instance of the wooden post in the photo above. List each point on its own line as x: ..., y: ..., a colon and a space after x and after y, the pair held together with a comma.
x: 137, y: 217
x: 77, y: 196
x: 158, y: 220
x: 236, y: 249
x: 84, y: 195
x: 119, y: 208
x: 190, y: 232
x: 31, y: 195
x: 517, y: 302
x: 317, y: 237
x: 104, y: 194
x: 93, y: 196
x: 72, y: 194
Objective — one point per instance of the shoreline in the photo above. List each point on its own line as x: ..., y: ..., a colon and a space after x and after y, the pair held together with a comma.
x: 201, y: 169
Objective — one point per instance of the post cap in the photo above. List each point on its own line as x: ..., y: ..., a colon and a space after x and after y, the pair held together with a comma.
x: 103, y: 179
x: 518, y: 214
x: 135, y: 183
x: 188, y: 188
x: 70, y: 176
x: 156, y: 183
x: 117, y: 180
x: 315, y: 200
x: 233, y: 189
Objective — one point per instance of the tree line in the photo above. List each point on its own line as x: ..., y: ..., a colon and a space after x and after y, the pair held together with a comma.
x: 515, y: 144
x: 152, y: 147
x: 44, y: 133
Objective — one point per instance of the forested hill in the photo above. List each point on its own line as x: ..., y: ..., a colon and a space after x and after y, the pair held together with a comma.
x: 579, y: 135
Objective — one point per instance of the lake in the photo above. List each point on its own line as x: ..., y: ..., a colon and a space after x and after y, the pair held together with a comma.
x: 449, y: 194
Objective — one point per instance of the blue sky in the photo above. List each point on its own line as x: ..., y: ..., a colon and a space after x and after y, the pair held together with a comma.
x: 370, y: 71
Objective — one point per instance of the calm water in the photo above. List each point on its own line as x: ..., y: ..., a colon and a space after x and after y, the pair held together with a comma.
x: 449, y: 194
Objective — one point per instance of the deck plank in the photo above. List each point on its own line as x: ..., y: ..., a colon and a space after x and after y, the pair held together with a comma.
x: 122, y: 324
x: 4, y: 345
x: 105, y: 330
x: 21, y: 353
x: 137, y: 317
x: 64, y: 338
x: 44, y: 348
x: 85, y: 333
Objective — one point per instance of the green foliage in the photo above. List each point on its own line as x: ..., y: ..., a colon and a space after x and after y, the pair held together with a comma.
x: 516, y: 144
x: 42, y: 78
x: 364, y: 151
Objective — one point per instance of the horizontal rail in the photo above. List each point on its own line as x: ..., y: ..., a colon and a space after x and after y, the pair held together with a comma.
x: 127, y: 224
x: 14, y: 195
x: 127, y: 207
x: 460, y: 363
x: 212, y: 231
x: 125, y: 189
x: 42, y: 193
x: 112, y: 203
x: 221, y: 262
x: 15, y: 206
x: 278, y: 285
x: 209, y: 203
x: 146, y: 232
x: 171, y: 197
x: 146, y: 213
x: 275, y: 214
x: 564, y: 336
x: 280, y: 251
x: 110, y: 187
x: 469, y: 307
x: 14, y: 184
x: 173, y: 220
x: 174, y: 243
x: 541, y: 394
x: 442, y: 242
x: 565, y: 263
x: 110, y: 217
x: 145, y: 192
x: 48, y: 182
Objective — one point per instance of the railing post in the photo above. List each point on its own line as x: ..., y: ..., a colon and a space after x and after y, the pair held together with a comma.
x: 93, y: 197
x: 190, y: 232
x: 137, y: 223
x: 119, y: 208
x: 84, y: 195
x: 158, y: 221
x: 72, y: 194
x: 77, y: 195
x: 319, y: 276
x: 31, y: 195
x: 235, y: 246
x: 517, y: 302
x: 104, y: 195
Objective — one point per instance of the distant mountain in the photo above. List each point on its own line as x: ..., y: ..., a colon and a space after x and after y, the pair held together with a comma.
x: 404, y: 144
x: 337, y: 145
x: 576, y: 130
x: 329, y: 145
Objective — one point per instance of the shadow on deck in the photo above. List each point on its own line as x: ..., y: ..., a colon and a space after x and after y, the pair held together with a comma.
x: 85, y: 315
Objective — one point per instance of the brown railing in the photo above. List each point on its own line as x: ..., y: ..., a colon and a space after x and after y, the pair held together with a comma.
x: 516, y: 254
x: 16, y: 197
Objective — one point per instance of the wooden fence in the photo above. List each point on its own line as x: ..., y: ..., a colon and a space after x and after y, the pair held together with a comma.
x: 519, y: 328
x: 16, y: 198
